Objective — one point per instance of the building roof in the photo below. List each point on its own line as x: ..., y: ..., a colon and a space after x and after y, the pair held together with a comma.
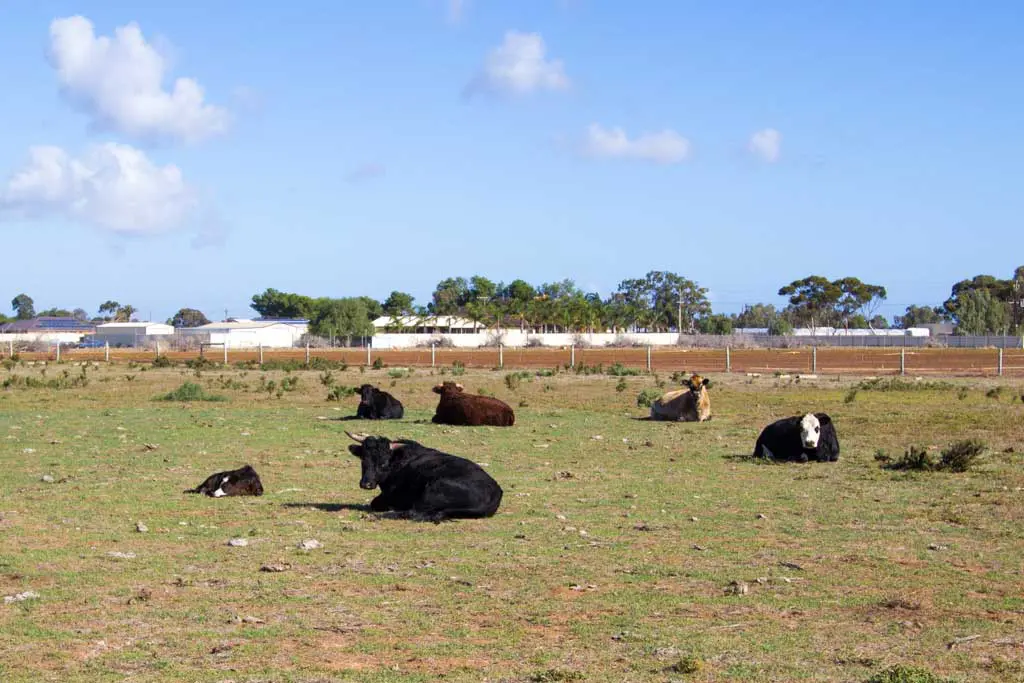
x: 47, y: 324
x: 129, y: 325
x: 426, y: 321
x: 237, y: 324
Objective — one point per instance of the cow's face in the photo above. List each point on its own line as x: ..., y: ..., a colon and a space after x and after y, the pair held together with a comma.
x: 696, y: 384
x: 448, y: 388
x: 374, y: 452
x: 366, y: 393
x: 810, y: 431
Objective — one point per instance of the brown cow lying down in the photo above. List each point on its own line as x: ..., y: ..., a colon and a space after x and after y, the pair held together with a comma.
x: 241, y: 482
x: 470, y: 410
x: 691, y: 404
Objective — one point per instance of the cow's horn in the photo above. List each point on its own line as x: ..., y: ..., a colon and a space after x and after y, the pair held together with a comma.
x: 357, y: 437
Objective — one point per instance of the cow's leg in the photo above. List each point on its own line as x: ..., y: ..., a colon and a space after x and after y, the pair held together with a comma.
x: 380, y: 503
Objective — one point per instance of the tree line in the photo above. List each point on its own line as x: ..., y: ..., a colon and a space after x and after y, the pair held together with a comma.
x: 660, y: 301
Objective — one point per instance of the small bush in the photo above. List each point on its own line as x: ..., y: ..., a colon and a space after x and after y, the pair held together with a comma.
x: 679, y: 376
x: 995, y: 392
x: 458, y: 368
x: 201, y: 363
x: 555, y: 676
x: 327, y: 378
x: 338, y: 393
x: 958, y: 457
x: 163, y: 362
x: 621, y: 386
x: 378, y: 363
x: 851, y: 396
x: 687, y: 665
x: 647, y: 397
x: 397, y: 373
x: 906, y: 674
x: 547, y: 373
x: 190, y: 391
x: 896, y: 384
x: 618, y: 370
x: 962, y: 393
x: 513, y: 379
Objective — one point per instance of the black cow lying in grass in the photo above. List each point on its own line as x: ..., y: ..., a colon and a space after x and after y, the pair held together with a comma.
x: 375, y: 404
x: 423, y: 483
x: 799, y: 438
x: 241, y: 482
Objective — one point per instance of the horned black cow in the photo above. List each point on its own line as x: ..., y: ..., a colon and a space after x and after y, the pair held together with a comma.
x: 800, y: 438
x: 241, y: 482
x: 456, y: 407
x: 423, y: 483
x: 375, y: 404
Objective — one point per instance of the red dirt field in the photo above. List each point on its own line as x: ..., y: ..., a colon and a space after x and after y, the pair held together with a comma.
x: 959, y: 362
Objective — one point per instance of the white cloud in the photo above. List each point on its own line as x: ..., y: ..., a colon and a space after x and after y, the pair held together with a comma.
x: 119, y: 82
x: 766, y: 144
x: 664, y: 147
x: 518, y: 66
x: 113, y: 187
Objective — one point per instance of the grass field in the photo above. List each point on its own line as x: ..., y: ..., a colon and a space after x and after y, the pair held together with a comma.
x: 610, y: 558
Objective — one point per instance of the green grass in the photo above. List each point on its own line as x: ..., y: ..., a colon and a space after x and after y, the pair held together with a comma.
x: 190, y: 391
x: 607, y: 561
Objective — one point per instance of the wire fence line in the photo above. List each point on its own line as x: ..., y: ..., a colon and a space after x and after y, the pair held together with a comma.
x: 804, y: 360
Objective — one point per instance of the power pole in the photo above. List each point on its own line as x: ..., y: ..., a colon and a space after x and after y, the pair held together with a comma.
x: 679, y: 324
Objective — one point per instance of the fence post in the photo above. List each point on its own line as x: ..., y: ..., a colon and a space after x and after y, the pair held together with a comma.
x: 728, y: 359
x: 261, y: 354
x: 10, y: 347
x: 814, y: 359
x: 368, y: 355
x: 307, y: 353
x: 572, y: 356
x: 58, y: 352
x: 501, y: 356
x: 903, y: 360
x: 1000, y: 361
x: 225, y: 353
x: 648, y: 358
x: 158, y: 348
x: 433, y: 355
x: 106, y: 352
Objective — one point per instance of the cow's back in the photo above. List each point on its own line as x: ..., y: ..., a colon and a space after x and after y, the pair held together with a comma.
x: 674, y: 405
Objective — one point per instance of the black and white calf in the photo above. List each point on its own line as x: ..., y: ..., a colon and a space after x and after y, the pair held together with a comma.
x: 375, y: 404
x: 423, y: 483
x: 799, y: 438
x: 241, y: 482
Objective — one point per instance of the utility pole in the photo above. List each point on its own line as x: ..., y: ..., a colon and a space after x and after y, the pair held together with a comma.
x: 679, y: 324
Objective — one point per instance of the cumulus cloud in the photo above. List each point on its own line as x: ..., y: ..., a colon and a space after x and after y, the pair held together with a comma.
x: 119, y: 81
x: 113, y: 187
x: 766, y: 145
x: 664, y: 147
x: 519, y: 66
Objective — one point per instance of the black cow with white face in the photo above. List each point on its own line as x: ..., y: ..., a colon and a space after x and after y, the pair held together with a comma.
x: 241, y: 482
x: 800, y: 439
x: 423, y: 483
x: 375, y: 404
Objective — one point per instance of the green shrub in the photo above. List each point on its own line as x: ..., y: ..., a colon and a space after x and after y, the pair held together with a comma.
x: 378, y: 363
x: 647, y: 397
x: 513, y: 379
x: 339, y: 392
x: 190, y: 391
x: 163, y: 362
x: 906, y: 674
x: 618, y: 370
x: 621, y: 386
x: 957, y: 457
x: 201, y: 363
x: 458, y: 368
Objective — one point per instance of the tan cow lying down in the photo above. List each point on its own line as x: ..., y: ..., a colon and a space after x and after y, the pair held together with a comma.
x: 691, y: 404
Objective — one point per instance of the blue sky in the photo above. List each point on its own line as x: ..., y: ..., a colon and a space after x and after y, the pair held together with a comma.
x: 354, y: 148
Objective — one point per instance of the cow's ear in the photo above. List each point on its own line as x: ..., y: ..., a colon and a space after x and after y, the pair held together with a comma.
x: 705, y: 382
x: 687, y: 383
x: 396, y: 445
x: 356, y: 449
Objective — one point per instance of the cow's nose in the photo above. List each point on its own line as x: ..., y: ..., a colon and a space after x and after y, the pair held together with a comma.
x: 365, y: 485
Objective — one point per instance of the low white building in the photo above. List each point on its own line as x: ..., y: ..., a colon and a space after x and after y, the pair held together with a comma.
x: 434, y: 324
x: 247, y: 334
x: 133, y: 333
